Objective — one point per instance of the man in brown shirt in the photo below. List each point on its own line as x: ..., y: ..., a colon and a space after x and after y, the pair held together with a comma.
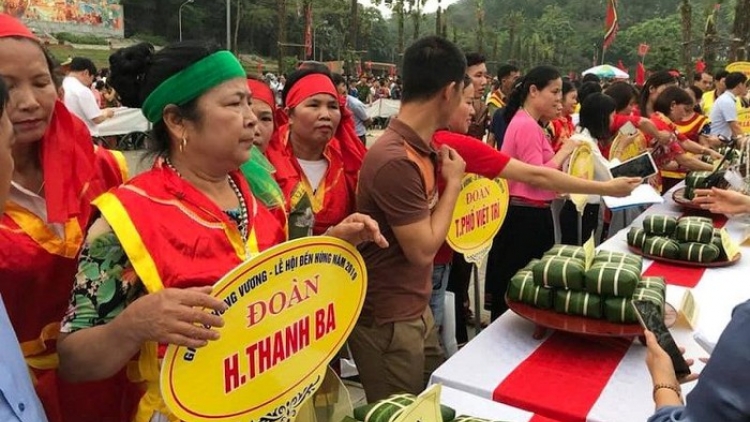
x: 397, y: 187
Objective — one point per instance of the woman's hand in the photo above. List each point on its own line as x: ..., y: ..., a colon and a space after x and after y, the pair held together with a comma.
x: 721, y: 201
x: 660, y: 364
x: 622, y: 186
x: 174, y: 316
x: 664, y: 137
x: 567, y: 146
x: 358, y: 228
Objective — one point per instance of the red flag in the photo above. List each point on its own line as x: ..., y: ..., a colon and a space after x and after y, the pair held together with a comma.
x: 308, y: 30
x: 640, y: 74
x: 610, y: 23
x: 700, y: 66
x: 643, y: 49
x: 621, y: 66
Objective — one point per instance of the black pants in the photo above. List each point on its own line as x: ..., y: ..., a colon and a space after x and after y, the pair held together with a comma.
x: 569, y: 222
x: 458, y: 283
x: 526, y: 234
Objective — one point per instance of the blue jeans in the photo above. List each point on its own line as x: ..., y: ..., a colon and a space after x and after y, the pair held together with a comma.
x: 440, y: 275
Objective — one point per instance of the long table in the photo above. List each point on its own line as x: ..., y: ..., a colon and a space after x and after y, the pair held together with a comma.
x: 564, y: 377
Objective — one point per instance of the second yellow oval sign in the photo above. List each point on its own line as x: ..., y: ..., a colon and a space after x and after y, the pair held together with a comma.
x: 480, y: 211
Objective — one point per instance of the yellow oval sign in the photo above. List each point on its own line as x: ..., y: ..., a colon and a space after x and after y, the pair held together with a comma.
x: 290, y: 311
x: 480, y: 211
x: 742, y: 67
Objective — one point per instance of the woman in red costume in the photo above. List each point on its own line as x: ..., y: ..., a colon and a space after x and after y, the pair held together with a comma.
x: 169, y: 234
x: 264, y: 108
x: 58, y: 172
x: 317, y: 154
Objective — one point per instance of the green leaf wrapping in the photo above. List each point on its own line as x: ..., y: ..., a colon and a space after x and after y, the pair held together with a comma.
x: 604, y: 257
x: 659, y: 225
x: 567, y: 251
x: 695, y: 219
x: 522, y: 289
x: 578, y: 303
x: 389, y: 409
x: 637, y: 237
x: 716, y: 241
x: 656, y: 283
x: 694, y: 231
x: 662, y: 246
x: 567, y: 273
x: 699, y: 252
x: 609, y: 279
x: 531, y: 264
x: 695, y: 180
x: 652, y: 295
x: 619, y: 310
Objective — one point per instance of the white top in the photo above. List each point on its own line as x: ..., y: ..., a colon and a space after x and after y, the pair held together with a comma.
x: 36, y: 205
x: 81, y: 101
x: 601, y: 164
x: 314, y: 171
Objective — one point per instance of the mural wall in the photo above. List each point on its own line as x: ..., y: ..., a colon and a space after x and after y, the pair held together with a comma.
x: 87, y: 16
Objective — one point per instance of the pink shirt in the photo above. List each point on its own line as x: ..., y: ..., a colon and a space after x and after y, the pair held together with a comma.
x: 525, y: 141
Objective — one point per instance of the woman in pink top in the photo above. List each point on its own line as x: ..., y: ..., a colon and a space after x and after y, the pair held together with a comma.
x: 528, y: 230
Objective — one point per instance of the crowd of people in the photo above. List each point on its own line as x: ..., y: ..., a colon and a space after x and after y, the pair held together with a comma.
x: 98, y: 272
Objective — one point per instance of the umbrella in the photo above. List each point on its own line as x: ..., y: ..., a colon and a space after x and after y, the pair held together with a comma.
x: 607, y: 71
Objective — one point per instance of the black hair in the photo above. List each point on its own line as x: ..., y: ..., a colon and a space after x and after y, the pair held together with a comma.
x: 429, y: 65
x: 567, y: 87
x: 590, y: 77
x: 467, y: 81
x: 699, y: 76
x: 539, y: 77
x: 623, y: 93
x: 654, y: 81
x: 721, y: 75
x: 673, y: 94
x: 136, y: 71
x: 337, y: 79
x: 595, y: 112
x: 588, y: 88
x: 697, y: 92
x: 734, y: 79
x: 79, y: 64
x: 317, y: 66
x: 295, y: 76
x: 4, y: 96
x: 505, y: 70
x: 473, y: 59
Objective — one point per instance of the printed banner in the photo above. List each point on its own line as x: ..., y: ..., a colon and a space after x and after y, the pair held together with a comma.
x: 290, y: 311
x: 100, y: 13
x: 479, y: 213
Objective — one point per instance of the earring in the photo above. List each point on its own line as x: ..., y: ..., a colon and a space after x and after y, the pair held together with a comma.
x: 183, y: 144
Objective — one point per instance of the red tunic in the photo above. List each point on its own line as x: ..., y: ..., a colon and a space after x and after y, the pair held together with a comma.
x: 176, y: 237
x: 334, y: 198
x: 37, y: 270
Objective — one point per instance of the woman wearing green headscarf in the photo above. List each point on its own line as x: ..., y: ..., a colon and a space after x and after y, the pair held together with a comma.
x: 168, y: 235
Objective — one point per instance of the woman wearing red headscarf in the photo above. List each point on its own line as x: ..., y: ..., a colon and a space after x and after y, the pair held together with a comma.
x: 58, y: 172
x: 317, y: 155
x: 264, y: 107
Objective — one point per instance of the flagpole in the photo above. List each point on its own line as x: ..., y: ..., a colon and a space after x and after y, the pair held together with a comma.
x: 604, y: 49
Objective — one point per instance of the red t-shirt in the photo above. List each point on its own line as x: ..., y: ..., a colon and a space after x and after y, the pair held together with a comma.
x: 480, y: 159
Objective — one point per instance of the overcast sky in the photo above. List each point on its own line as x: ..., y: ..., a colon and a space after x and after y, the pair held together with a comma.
x: 430, y: 6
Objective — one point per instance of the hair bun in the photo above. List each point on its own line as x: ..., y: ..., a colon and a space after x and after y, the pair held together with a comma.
x: 128, y: 68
